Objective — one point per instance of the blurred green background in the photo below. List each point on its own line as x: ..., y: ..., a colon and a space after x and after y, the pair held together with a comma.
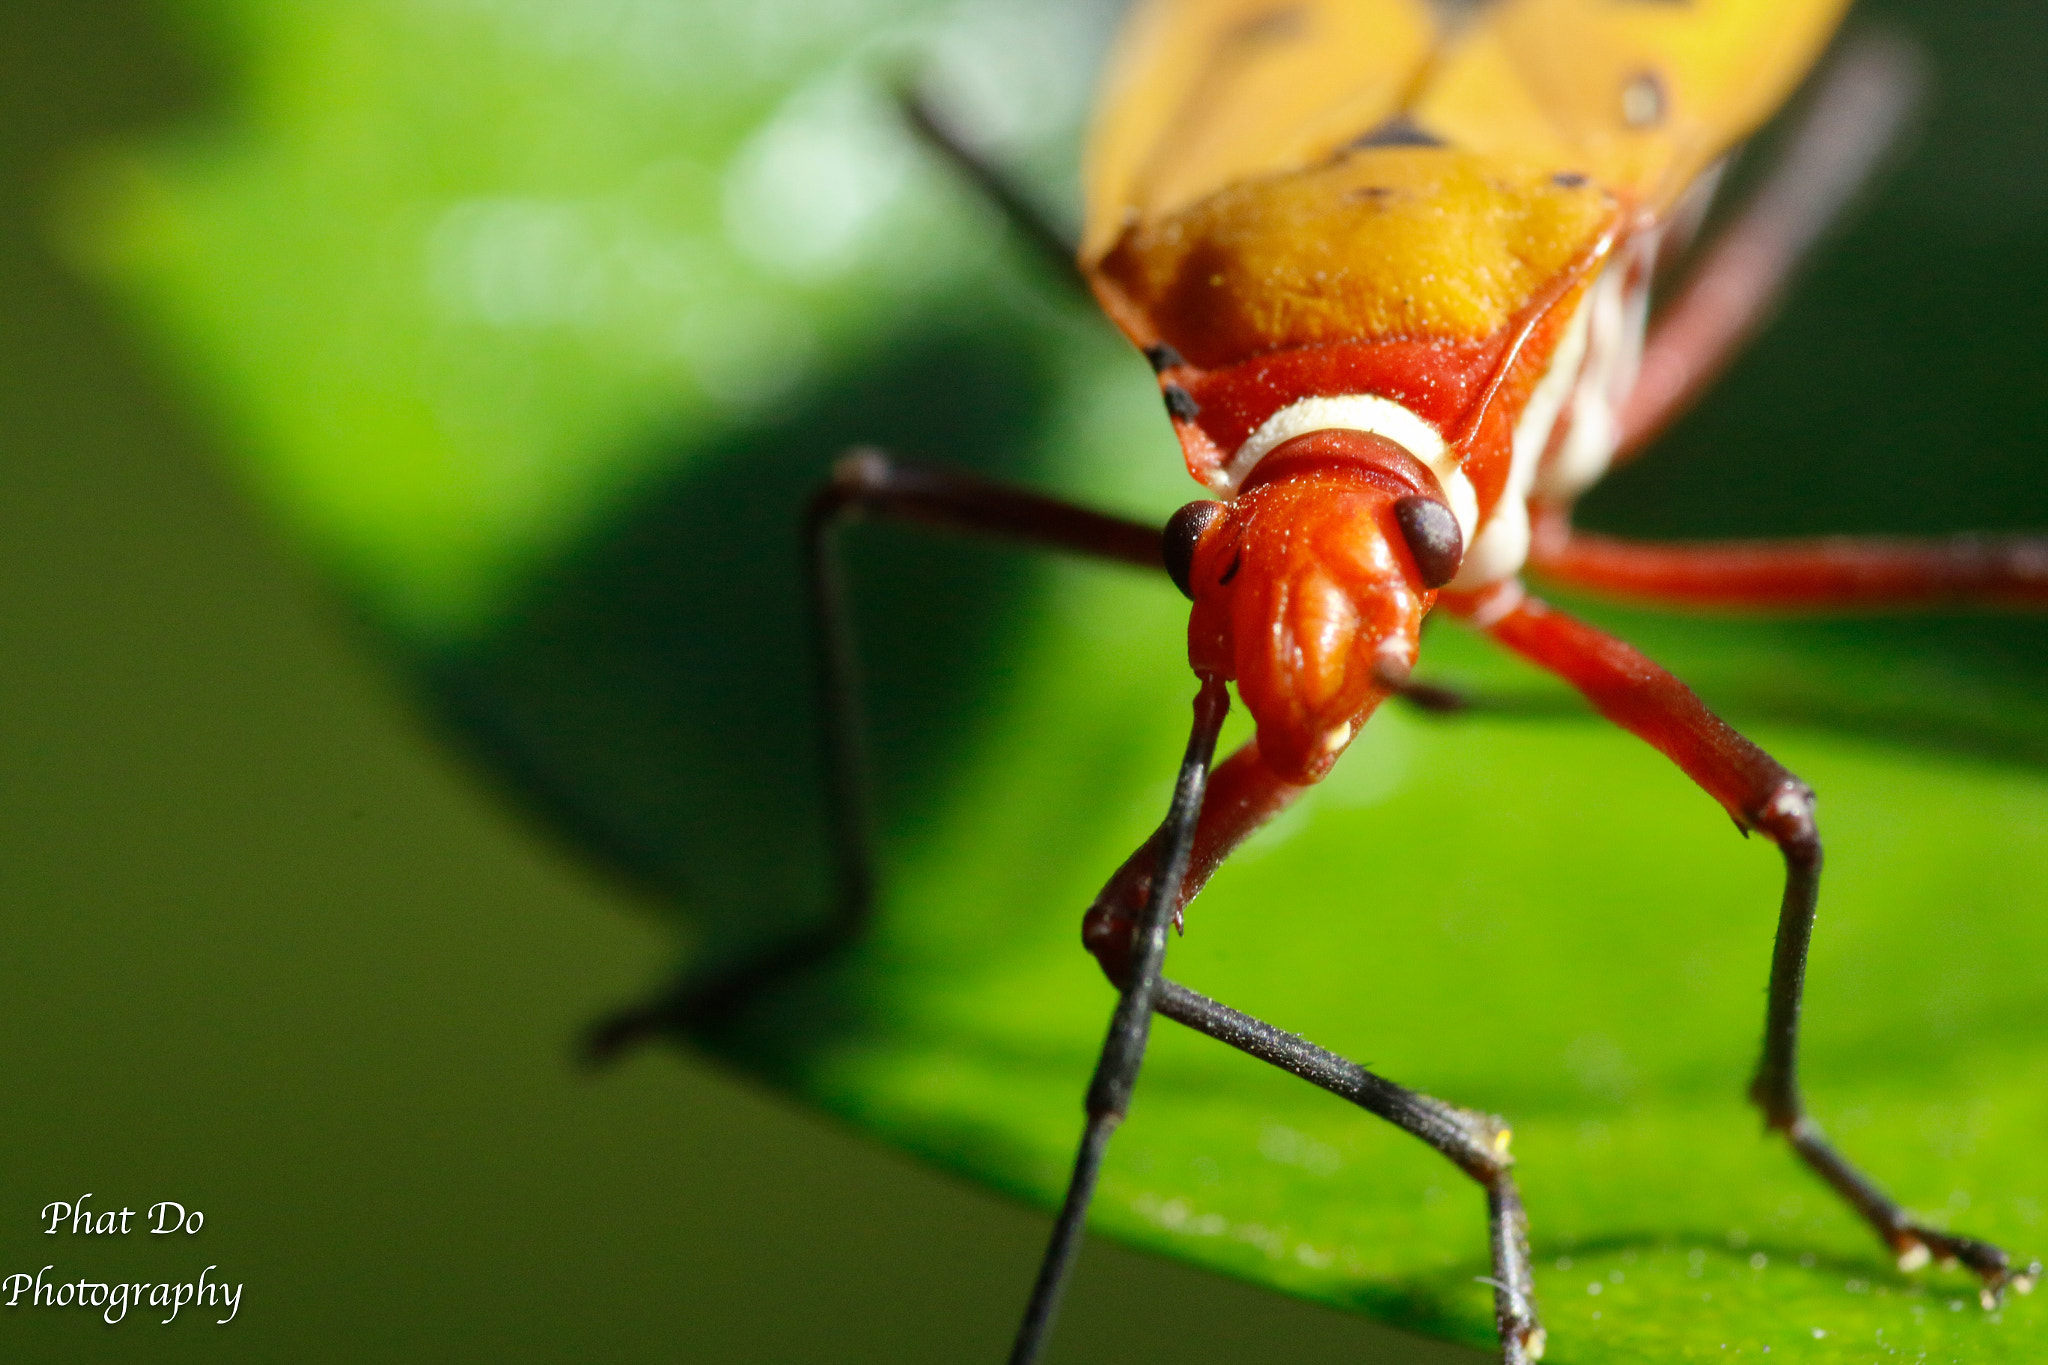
x: 528, y: 323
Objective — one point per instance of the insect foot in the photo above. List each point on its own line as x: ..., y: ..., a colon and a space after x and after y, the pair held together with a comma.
x: 1916, y: 1246
x: 1913, y: 1244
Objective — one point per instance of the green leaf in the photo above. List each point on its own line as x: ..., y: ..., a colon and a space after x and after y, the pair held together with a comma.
x: 538, y: 318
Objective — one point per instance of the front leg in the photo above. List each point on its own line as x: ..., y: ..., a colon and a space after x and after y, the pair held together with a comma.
x: 1761, y: 795
x: 1243, y: 794
x: 1477, y: 1143
x: 866, y: 483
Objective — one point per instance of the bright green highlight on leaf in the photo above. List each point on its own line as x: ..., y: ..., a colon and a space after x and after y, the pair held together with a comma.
x: 537, y: 319
x: 463, y: 273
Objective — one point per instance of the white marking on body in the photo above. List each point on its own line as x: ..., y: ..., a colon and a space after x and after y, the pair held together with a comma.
x: 1581, y: 392
x: 1619, y: 306
x: 1503, y: 543
x: 1369, y: 413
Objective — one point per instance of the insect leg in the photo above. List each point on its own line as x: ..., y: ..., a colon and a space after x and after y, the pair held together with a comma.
x: 1862, y: 103
x: 868, y: 482
x: 1477, y: 1143
x: 1123, y: 1051
x: 1656, y: 707
x: 1243, y: 795
x: 1053, y: 245
x: 1827, y: 573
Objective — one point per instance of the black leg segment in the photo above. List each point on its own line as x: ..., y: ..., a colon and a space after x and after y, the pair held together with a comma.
x: 1789, y: 822
x: 1477, y: 1143
x: 1123, y: 1051
x: 867, y: 482
x: 871, y: 482
x: 1053, y: 245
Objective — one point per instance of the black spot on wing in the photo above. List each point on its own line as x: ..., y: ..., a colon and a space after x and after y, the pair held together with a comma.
x: 1449, y: 14
x: 1644, y: 100
x: 1398, y: 131
x: 1180, y: 404
x: 1280, y: 24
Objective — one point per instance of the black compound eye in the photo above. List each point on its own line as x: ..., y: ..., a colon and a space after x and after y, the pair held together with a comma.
x: 1177, y: 543
x: 1433, y: 538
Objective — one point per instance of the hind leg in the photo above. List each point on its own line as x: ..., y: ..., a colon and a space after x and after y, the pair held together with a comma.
x: 1759, y: 794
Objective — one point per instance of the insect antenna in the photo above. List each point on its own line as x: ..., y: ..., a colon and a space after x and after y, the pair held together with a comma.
x: 1048, y: 241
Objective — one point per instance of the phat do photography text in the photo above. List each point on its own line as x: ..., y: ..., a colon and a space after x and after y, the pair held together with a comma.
x: 205, y: 1292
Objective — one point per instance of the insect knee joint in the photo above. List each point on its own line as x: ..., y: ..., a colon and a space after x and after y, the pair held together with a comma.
x: 1783, y: 1112
x: 1106, y: 932
x: 1786, y: 817
x: 863, y: 469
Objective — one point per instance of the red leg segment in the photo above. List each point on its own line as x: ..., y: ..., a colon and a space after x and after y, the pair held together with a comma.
x: 1760, y: 794
x: 1831, y: 573
x: 1243, y: 795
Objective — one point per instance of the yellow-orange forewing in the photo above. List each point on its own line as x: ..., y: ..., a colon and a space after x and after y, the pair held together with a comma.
x: 1638, y: 95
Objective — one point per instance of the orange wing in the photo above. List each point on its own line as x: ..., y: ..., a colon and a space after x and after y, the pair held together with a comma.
x: 1201, y: 94
x: 1639, y: 95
